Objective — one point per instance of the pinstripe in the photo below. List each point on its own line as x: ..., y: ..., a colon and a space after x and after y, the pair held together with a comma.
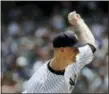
x: 48, y: 81
x: 38, y: 87
x: 60, y: 86
x: 51, y: 79
x: 44, y: 81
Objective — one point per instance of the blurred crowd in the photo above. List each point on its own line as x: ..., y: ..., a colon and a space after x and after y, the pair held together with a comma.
x: 26, y: 41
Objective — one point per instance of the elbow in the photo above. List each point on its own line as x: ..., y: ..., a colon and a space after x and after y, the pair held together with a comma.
x: 93, y: 47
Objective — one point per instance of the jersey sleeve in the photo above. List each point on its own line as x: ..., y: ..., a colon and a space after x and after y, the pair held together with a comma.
x: 85, y: 56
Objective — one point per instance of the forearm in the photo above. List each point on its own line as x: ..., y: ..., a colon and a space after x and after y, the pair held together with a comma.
x: 85, y: 34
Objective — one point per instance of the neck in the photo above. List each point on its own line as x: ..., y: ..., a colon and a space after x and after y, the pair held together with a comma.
x: 58, y: 64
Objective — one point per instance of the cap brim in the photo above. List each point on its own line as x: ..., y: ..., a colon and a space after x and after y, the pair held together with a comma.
x: 77, y: 45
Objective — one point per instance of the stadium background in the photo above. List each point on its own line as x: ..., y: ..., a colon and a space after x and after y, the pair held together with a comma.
x: 26, y: 32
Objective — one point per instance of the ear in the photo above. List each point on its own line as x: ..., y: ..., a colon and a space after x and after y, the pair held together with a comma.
x: 76, y: 50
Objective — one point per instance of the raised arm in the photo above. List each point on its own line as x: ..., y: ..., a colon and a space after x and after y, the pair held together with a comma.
x: 85, y: 35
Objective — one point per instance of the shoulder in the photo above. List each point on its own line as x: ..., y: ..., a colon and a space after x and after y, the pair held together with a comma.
x: 87, y: 48
x: 38, y: 74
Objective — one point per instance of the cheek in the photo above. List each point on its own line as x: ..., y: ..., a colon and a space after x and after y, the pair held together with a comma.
x: 67, y: 56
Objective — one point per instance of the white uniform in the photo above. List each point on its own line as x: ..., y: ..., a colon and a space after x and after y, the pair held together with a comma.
x: 46, y: 81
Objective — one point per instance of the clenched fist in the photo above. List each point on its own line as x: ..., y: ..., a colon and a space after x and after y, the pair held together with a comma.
x: 73, y: 18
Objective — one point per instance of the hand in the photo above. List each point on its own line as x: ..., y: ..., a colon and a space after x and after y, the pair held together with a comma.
x: 73, y: 18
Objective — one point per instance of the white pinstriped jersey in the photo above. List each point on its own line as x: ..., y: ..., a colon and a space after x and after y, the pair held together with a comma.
x: 45, y: 81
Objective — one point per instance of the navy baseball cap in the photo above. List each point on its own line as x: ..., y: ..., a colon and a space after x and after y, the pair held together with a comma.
x: 66, y: 39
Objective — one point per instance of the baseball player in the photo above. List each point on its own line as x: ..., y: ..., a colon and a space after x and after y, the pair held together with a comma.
x: 59, y: 75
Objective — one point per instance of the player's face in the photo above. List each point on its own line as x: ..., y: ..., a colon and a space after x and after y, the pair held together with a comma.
x: 71, y: 53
